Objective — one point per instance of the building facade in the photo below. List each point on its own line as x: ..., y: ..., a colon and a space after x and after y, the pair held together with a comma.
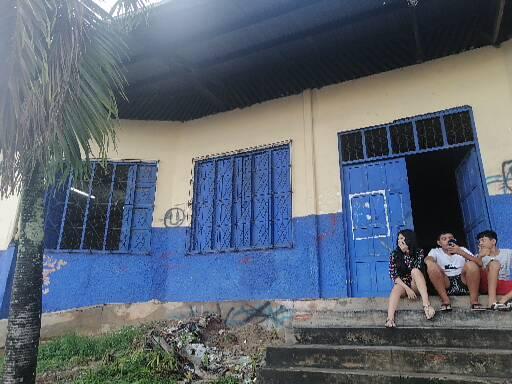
x: 297, y: 197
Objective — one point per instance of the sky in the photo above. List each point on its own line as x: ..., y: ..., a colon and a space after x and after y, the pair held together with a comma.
x: 107, y: 4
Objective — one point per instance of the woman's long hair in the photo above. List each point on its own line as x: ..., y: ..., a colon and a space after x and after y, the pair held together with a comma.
x: 410, y: 240
x: 412, y: 243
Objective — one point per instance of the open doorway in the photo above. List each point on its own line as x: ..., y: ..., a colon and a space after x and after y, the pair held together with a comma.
x: 434, y: 195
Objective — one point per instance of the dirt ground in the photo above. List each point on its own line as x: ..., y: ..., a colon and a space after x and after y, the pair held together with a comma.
x: 207, y: 348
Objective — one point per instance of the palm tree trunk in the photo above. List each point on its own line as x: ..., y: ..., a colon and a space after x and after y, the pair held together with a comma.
x: 26, y: 300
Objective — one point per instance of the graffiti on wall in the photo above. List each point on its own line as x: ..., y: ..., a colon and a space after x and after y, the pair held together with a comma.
x: 50, y: 265
x: 236, y: 314
x: 174, y: 217
x: 331, y: 231
x: 265, y: 312
x: 503, y: 181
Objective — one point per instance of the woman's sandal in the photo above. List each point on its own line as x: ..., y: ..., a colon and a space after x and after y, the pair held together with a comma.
x: 390, y: 323
x: 445, y: 307
x: 429, y: 312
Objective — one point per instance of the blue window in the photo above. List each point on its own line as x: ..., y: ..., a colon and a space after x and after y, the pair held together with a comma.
x: 112, y: 211
x: 242, y: 201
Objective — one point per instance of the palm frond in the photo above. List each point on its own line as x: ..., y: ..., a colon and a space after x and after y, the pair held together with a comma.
x: 60, y: 72
x: 129, y: 14
x: 128, y: 7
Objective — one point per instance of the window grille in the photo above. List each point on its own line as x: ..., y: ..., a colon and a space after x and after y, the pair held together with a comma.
x: 376, y: 142
x: 110, y: 212
x: 453, y: 127
x: 458, y: 128
x: 429, y: 133
x: 402, y: 138
x: 242, y: 201
x: 352, y: 146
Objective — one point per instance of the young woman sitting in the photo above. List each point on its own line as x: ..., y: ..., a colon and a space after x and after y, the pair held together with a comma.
x: 405, y: 265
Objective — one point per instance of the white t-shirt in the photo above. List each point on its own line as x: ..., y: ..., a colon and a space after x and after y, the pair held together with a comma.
x: 452, y: 265
x: 505, y: 259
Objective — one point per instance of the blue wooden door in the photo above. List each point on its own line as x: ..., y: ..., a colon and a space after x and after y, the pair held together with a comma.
x: 377, y: 205
x: 472, y: 198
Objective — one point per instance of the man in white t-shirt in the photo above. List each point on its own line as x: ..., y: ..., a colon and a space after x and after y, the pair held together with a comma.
x: 454, y: 271
x: 496, y: 263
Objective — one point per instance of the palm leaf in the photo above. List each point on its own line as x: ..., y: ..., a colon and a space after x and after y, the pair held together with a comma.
x: 60, y: 73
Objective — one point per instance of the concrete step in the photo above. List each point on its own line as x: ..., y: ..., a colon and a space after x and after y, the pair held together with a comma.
x: 340, y: 376
x: 406, y: 337
x: 458, y: 361
x: 458, y: 317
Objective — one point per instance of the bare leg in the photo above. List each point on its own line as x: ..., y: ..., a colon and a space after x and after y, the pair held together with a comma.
x: 439, y: 280
x: 394, y: 299
x: 471, y: 277
x: 493, y: 270
x: 421, y: 285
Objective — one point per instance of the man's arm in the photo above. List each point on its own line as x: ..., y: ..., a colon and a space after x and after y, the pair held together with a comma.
x: 468, y: 256
x: 430, y: 259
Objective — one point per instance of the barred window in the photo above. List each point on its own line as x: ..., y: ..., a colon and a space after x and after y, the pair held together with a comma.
x: 417, y: 134
x: 458, y: 128
x: 242, y: 201
x: 110, y: 212
x: 376, y: 142
x: 430, y: 134
x: 402, y: 138
x: 352, y: 146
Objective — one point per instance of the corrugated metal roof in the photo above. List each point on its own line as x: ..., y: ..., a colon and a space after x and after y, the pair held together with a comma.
x: 199, y: 58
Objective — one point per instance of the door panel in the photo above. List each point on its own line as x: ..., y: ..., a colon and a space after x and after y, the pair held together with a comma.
x: 377, y: 205
x: 472, y: 198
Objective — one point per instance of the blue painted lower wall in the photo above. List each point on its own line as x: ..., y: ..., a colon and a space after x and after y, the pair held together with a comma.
x: 90, y: 279
x: 501, y: 208
x: 315, y: 267
x: 7, y: 265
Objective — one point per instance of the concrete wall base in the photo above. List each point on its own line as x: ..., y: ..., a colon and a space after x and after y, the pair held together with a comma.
x: 278, y: 314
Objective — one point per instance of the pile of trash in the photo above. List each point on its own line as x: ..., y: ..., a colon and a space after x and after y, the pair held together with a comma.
x: 208, y: 350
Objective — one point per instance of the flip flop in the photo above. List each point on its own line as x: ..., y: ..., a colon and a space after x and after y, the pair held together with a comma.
x: 478, y: 307
x: 445, y: 307
x: 496, y: 307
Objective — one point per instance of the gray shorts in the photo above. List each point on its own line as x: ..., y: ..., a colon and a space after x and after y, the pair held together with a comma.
x: 457, y: 287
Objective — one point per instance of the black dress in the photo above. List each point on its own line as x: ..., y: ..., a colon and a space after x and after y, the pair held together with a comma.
x: 401, y: 264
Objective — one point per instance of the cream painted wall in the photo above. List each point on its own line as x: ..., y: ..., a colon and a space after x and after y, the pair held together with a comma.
x: 8, y: 214
x: 175, y: 145
x: 480, y: 78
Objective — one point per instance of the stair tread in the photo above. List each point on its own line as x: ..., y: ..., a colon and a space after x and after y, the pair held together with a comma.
x: 405, y: 309
x: 367, y: 372
x: 487, y: 351
x: 398, y: 329
x: 373, y: 312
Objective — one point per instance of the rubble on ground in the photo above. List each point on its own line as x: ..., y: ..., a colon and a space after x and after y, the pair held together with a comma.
x: 208, y: 350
